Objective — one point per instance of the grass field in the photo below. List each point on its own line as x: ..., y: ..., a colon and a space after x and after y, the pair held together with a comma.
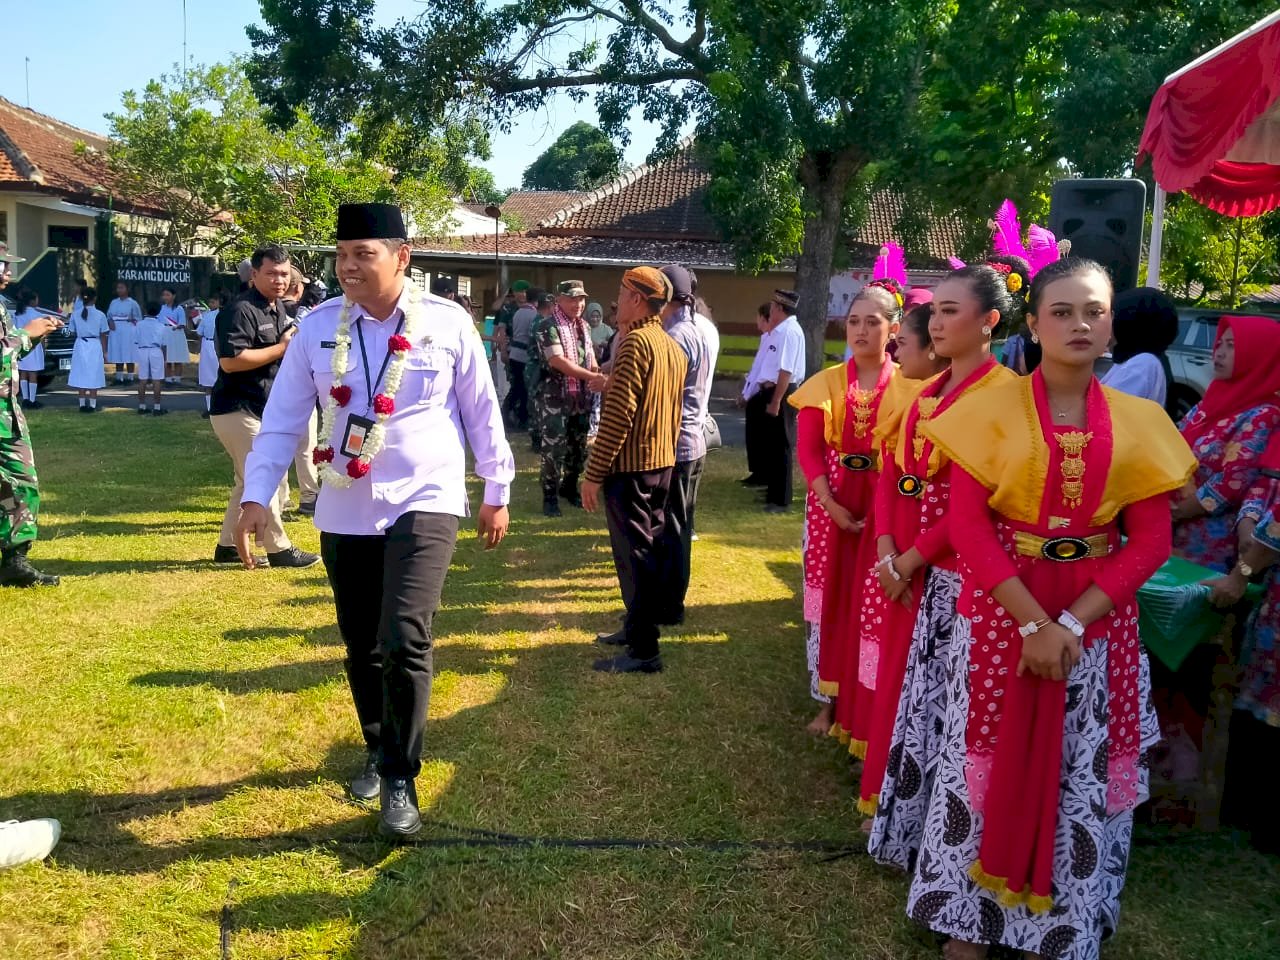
x: 191, y: 728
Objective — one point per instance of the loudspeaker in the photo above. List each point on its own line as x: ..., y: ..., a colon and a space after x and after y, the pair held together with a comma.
x: 1103, y: 219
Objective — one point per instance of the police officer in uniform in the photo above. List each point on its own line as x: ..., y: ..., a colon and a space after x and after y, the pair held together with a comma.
x: 19, y: 488
x: 414, y: 390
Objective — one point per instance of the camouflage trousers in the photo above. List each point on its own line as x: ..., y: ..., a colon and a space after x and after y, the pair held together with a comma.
x: 564, y: 451
x: 19, y: 493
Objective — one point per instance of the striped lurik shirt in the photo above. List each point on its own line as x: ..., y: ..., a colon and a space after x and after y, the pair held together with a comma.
x: 640, y: 418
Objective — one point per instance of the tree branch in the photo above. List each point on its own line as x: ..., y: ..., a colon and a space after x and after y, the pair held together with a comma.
x: 543, y: 84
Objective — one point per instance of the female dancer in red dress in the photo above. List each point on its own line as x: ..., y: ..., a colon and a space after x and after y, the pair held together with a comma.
x: 917, y: 570
x: 836, y: 449
x: 1047, y: 691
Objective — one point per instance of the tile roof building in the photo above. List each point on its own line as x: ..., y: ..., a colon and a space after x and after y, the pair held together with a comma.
x: 655, y: 213
x: 54, y: 184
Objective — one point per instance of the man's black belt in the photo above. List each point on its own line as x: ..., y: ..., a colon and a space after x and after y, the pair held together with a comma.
x: 86, y: 338
x: 519, y: 345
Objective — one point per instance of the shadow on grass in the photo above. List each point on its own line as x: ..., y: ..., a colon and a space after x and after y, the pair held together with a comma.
x: 53, y: 529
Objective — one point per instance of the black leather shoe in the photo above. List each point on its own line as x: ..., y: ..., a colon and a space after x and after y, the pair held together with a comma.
x: 570, y: 495
x: 228, y: 555
x: 307, y: 508
x: 626, y: 663
x: 17, y: 571
x: 400, y: 817
x: 293, y: 557
x: 368, y: 784
x: 159, y: 412
x: 551, y: 508
x: 615, y: 639
x: 35, y: 405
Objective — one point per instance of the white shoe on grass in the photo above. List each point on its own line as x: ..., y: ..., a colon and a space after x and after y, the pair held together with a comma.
x: 27, y: 841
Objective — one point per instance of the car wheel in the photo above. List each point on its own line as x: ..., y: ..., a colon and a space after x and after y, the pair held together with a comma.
x: 1181, y: 400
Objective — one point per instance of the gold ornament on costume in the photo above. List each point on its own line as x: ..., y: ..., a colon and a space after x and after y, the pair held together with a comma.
x: 1073, y: 444
x: 927, y: 406
x: 862, y: 410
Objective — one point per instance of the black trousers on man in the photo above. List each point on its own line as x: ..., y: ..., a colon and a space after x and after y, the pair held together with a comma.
x: 387, y: 589
x: 753, y: 417
x: 777, y: 444
x: 635, y: 508
x: 676, y: 542
x: 517, y: 402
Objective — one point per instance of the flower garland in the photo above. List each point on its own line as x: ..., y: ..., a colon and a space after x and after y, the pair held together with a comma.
x: 384, y: 404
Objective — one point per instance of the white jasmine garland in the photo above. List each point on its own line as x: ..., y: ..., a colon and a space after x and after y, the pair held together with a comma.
x: 377, y: 436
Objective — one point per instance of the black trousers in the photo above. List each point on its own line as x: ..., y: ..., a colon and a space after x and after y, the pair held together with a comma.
x: 776, y: 445
x: 635, y: 509
x: 387, y: 589
x: 517, y: 403
x: 676, y: 543
x: 753, y: 416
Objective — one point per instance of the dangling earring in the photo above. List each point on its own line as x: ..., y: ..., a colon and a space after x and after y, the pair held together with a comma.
x: 932, y: 355
x: 1035, y: 337
x: 986, y: 331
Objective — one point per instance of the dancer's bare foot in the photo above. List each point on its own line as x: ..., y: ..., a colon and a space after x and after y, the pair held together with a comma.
x: 820, y: 725
x: 963, y: 950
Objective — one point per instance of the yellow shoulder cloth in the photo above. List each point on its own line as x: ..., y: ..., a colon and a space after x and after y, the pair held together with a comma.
x: 995, y: 435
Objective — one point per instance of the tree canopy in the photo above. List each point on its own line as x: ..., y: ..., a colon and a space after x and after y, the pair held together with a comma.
x: 800, y: 106
x: 200, y: 146
x: 582, y: 158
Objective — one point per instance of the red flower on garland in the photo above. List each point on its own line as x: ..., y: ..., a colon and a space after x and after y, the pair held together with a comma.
x: 1001, y: 268
x: 356, y: 468
x: 322, y: 455
x: 342, y: 394
x: 399, y: 344
x: 384, y: 404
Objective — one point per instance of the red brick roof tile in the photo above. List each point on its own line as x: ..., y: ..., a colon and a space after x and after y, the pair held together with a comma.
x: 41, y: 153
x: 532, y: 206
x: 657, y: 213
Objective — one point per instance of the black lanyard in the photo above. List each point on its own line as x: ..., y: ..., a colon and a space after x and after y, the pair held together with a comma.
x: 371, y: 386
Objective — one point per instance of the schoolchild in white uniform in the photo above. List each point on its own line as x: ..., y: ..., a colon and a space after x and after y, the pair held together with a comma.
x: 123, y: 314
x: 32, y: 365
x: 90, y: 326
x: 176, y: 350
x: 206, y: 325
x: 150, y: 354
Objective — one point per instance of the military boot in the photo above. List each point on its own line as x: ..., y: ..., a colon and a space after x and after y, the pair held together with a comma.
x: 16, y: 571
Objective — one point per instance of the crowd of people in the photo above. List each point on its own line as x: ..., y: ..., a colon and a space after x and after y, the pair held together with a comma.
x: 975, y: 538
x: 976, y: 533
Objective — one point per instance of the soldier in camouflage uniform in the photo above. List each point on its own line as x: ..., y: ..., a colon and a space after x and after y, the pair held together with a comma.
x: 19, y: 492
x: 567, y: 375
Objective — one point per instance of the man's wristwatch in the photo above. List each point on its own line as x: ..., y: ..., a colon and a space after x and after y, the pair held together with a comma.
x: 1246, y: 571
x: 1069, y: 621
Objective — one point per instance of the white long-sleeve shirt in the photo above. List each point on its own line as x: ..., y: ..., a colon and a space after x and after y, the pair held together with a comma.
x: 446, y: 399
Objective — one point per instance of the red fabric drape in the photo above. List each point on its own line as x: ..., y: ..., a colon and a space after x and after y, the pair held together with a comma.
x: 1239, y: 189
x: 1196, y: 118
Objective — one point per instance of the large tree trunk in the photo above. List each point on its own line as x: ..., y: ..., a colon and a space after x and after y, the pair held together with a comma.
x: 825, y: 177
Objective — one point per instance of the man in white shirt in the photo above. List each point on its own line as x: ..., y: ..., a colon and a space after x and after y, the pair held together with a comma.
x: 406, y: 386
x: 781, y: 371
x: 753, y: 412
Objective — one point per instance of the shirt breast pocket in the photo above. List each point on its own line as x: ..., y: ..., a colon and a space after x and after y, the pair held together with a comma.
x: 426, y: 379
x: 322, y: 372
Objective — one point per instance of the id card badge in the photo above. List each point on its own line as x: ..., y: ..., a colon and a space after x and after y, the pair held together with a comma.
x: 357, y: 431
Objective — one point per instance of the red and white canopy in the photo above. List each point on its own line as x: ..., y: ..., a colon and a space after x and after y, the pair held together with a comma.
x: 1213, y: 130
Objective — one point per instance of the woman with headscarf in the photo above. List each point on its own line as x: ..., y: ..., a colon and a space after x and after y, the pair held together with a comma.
x: 1249, y: 796
x: 1228, y: 431
x: 1145, y: 324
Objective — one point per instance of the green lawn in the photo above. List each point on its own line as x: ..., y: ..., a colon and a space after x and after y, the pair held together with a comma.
x: 192, y: 729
